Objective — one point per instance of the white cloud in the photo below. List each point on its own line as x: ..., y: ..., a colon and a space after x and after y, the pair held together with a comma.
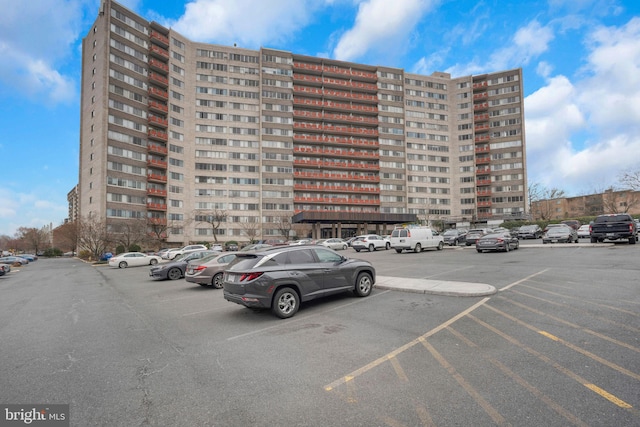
x: 604, y: 104
x: 248, y: 23
x: 380, y: 26
x: 35, y: 37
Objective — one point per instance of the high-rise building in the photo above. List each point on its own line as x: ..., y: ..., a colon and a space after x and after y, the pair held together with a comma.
x: 195, y: 139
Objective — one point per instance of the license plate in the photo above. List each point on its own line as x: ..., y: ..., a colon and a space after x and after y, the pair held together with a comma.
x: 231, y: 277
x: 610, y: 234
x: 554, y: 241
x: 190, y: 270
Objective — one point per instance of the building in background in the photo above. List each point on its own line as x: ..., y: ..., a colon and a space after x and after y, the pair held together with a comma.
x: 196, y: 139
x: 608, y: 202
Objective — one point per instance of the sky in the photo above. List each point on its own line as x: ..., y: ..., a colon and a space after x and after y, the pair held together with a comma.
x: 580, y: 62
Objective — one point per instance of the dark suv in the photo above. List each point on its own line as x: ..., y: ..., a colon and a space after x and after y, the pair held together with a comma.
x: 282, y: 277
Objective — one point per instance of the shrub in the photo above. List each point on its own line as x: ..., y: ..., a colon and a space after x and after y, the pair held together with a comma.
x: 120, y: 249
x: 134, y: 248
x: 51, y: 252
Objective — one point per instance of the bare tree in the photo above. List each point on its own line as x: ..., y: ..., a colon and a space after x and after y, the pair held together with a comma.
x: 130, y: 232
x: 33, y: 238
x: 93, y: 236
x: 283, y: 225
x: 214, y: 218
x: 630, y: 179
x: 620, y: 201
x: 540, y: 200
x: 65, y: 237
x: 250, y: 229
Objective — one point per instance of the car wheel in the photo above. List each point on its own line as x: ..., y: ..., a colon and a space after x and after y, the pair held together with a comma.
x: 632, y: 240
x: 364, y: 284
x: 174, y: 273
x: 387, y: 246
x: 594, y: 240
x: 517, y: 246
x: 216, y: 281
x: 417, y: 248
x: 440, y: 246
x: 285, y: 303
x: 479, y: 251
x: 204, y: 285
x: 371, y: 248
x: 357, y: 250
x: 344, y: 247
x: 122, y: 264
x: 153, y: 261
x: 507, y: 247
x: 398, y: 250
x: 455, y: 242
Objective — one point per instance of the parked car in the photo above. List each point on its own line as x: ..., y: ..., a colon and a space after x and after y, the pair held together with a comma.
x: 501, y: 241
x: 532, y: 231
x: 165, y: 252
x: 562, y: 234
x: 175, y: 269
x: 209, y: 271
x: 370, y: 242
x: 30, y: 257
x: 335, y: 244
x: 584, y: 231
x: 7, y: 267
x: 613, y: 227
x: 14, y: 260
x: 133, y: 259
x: 301, y: 242
x: 2, y: 269
x: 454, y: 236
x: 171, y: 254
x: 255, y: 247
x: 415, y: 239
x: 573, y: 223
x: 350, y: 240
x: 231, y: 247
x: 474, y: 234
x: 281, y: 278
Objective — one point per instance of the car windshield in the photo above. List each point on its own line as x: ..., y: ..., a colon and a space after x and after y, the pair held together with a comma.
x: 450, y: 233
x: 558, y: 231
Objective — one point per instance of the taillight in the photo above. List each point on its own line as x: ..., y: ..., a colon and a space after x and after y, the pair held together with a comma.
x: 200, y: 268
x: 247, y: 277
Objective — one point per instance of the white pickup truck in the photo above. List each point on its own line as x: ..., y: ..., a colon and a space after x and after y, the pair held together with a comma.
x: 415, y: 239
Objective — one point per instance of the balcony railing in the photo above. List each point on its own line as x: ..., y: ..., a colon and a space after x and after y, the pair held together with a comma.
x: 336, y: 117
x: 484, y: 126
x: 480, y: 85
x: 480, y: 138
x: 340, y: 165
x: 335, y: 105
x: 157, y: 134
x: 156, y: 177
x: 158, y: 65
x: 159, y: 52
x: 483, y: 204
x: 336, y: 153
x: 481, y: 117
x: 158, y: 121
x: 483, y: 160
x: 157, y: 206
x: 483, y: 182
x: 156, y: 192
x: 157, y: 106
x: 335, y: 140
x: 158, y: 79
x: 160, y: 38
x: 336, y: 176
x: 481, y: 95
x: 155, y: 148
x: 335, y: 188
x: 482, y: 148
x: 335, y: 70
x: 481, y: 106
x: 335, y: 129
x: 157, y: 163
x: 335, y: 200
x: 335, y: 93
x: 158, y: 93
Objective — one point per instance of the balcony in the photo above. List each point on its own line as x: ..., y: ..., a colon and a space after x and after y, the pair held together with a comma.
x: 481, y: 138
x: 161, y: 164
x: 483, y: 193
x: 336, y: 117
x: 480, y: 85
x: 337, y: 153
x: 335, y: 200
x: 156, y: 192
x: 332, y: 105
x: 154, y: 64
x: 160, y: 39
x: 156, y: 221
x: 156, y: 206
x: 336, y: 165
x: 319, y: 68
x: 335, y: 129
x: 158, y: 149
x: 335, y: 188
x: 158, y: 93
x: 481, y: 106
x: 483, y: 160
x: 481, y: 127
x: 323, y: 139
x: 158, y: 135
x: 330, y: 93
x: 482, y: 148
x: 158, y: 79
x: 483, y: 204
x: 159, y: 52
x: 156, y: 177
x: 481, y: 95
x: 483, y: 182
x: 481, y: 117
x: 336, y: 176
x: 158, y: 107
x: 158, y: 121
x: 482, y: 170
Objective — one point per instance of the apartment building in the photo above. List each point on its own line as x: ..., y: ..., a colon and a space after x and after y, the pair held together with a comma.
x: 196, y: 139
x: 608, y: 202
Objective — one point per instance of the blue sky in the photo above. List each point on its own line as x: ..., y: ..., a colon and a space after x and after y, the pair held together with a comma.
x: 580, y: 59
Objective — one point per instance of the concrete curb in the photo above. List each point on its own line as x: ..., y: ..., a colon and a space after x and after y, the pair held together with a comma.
x: 434, y: 287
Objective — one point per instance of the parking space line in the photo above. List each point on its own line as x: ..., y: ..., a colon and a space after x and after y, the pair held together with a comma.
x: 398, y: 368
x: 573, y: 325
x: 523, y: 280
x: 401, y: 349
x: 522, y: 382
x: 490, y: 410
x: 562, y: 369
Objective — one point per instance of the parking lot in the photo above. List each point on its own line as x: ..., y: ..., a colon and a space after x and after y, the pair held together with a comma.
x: 557, y: 344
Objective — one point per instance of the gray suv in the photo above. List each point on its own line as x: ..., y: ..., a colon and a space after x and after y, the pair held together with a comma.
x: 281, y: 277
